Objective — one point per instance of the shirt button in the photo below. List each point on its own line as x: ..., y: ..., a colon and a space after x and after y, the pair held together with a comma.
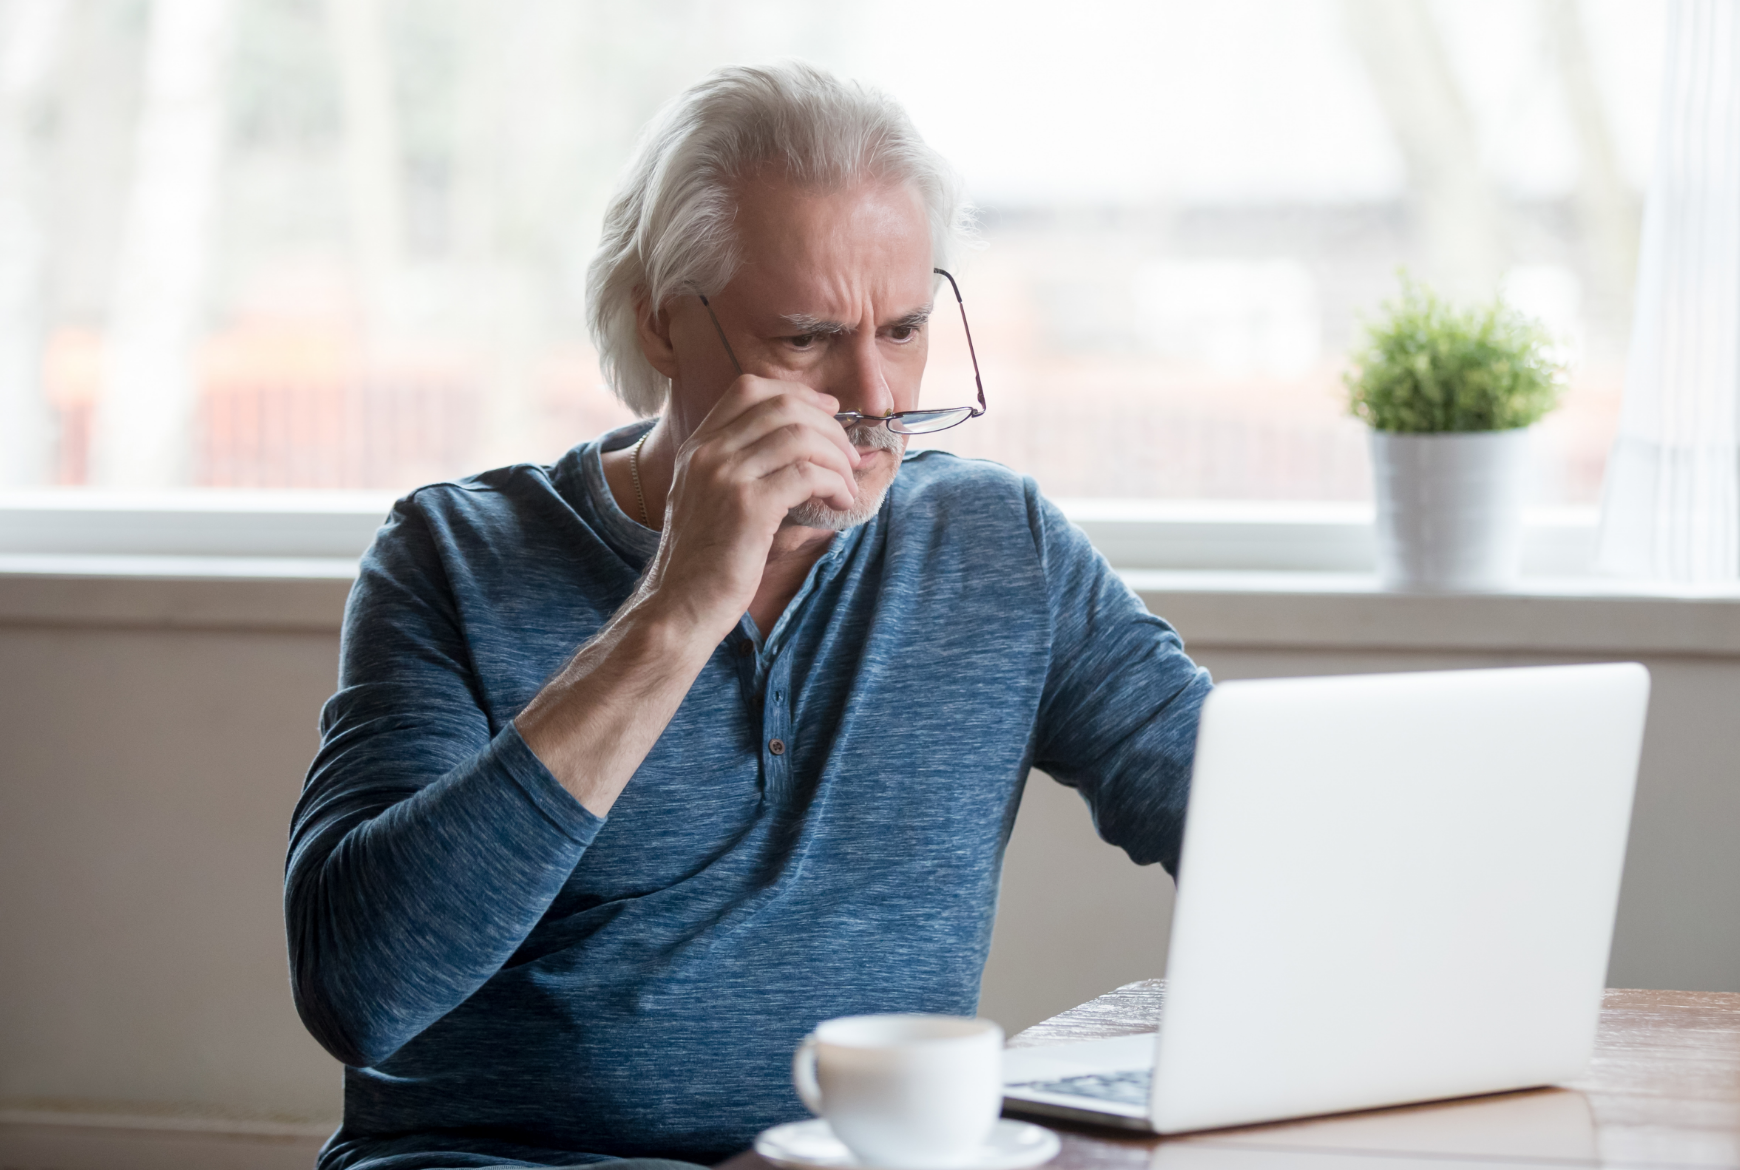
x: 744, y: 649
x: 776, y: 746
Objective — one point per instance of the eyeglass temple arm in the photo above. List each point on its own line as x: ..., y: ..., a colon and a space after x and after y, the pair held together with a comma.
x: 720, y: 330
x: 971, y: 352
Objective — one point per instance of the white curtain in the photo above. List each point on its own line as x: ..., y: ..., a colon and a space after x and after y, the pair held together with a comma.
x: 1671, y: 506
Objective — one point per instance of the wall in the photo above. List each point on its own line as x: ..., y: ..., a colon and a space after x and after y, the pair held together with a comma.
x: 153, y: 736
x: 149, y: 778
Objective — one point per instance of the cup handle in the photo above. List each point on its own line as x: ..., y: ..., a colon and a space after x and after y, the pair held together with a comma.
x: 803, y: 1075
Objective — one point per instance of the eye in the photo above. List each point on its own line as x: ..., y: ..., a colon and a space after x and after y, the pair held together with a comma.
x: 903, y: 332
x: 801, y: 341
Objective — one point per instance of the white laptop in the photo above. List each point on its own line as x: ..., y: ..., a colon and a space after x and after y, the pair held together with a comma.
x: 1394, y: 888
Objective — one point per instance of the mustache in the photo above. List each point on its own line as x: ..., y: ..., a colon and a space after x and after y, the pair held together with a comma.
x: 875, y: 436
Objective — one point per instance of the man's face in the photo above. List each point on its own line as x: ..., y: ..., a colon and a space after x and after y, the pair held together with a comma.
x: 834, y: 292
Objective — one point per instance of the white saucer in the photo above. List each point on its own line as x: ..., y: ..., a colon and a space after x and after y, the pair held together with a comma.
x: 811, y: 1145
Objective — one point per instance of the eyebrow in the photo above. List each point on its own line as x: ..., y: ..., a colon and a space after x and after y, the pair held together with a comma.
x: 808, y: 323
x: 913, y: 319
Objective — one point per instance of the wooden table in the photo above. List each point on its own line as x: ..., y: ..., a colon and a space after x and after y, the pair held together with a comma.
x: 1662, y: 1091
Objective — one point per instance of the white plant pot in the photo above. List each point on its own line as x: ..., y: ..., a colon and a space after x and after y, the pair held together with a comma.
x: 1449, y: 509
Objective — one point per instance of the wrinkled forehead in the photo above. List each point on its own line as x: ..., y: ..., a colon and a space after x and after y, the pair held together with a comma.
x: 847, y: 248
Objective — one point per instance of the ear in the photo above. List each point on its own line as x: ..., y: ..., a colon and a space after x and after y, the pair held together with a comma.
x: 654, y: 328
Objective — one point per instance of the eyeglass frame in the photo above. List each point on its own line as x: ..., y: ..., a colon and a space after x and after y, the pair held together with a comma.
x: 848, y: 418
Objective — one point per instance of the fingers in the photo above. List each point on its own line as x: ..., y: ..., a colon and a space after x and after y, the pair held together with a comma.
x: 755, y: 407
x: 766, y: 447
x: 798, y: 446
x: 797, y: 483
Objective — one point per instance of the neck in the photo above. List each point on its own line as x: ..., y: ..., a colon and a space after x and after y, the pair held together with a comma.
x: 794, y: 543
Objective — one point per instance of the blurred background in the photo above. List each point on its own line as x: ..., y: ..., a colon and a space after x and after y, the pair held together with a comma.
x: 341, y: 243
x: 264, y: 261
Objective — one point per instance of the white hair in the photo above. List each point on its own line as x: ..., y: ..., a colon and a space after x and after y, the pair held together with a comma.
x: 669, y: 226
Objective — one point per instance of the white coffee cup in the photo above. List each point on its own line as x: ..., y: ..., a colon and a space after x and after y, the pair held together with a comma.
x: 907, y: 1092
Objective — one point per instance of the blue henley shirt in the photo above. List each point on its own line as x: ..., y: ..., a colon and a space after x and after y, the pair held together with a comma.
x: 513, y: 980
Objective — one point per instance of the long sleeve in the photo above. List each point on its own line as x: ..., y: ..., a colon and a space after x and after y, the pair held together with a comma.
x: 426, y: 846
x: 1117, y: 720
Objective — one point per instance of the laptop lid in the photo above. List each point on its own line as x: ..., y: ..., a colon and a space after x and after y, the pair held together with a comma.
x: 1395, y: 888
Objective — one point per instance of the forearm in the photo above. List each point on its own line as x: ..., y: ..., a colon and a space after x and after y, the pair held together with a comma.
x: 594, y: 723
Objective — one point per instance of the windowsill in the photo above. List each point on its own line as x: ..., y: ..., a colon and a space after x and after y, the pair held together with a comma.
x: 286, y: 594
x: 1227, y: 574
x: 177, y: 568
x: 1556, y: 615
x: 1218, y: 608
x: 1367, y: 585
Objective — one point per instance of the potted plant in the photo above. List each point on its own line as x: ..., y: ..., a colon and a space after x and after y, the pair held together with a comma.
x: 1449, y: 394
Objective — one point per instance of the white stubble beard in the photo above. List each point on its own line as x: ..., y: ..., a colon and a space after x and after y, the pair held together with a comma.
x: 815, y: 514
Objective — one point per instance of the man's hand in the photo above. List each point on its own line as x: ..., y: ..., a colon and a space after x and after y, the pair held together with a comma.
x: 765, y: 448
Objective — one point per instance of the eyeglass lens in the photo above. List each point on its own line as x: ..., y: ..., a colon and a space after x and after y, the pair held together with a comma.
x: 923, y: 422
x: 918, y: 422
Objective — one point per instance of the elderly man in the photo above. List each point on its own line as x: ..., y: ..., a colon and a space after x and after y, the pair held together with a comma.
x: 643, y: 763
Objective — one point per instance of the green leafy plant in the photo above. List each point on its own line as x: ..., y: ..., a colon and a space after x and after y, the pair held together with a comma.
x: 1429, y: 367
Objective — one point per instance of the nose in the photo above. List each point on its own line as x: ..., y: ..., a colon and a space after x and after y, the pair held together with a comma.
x: 862, y: 382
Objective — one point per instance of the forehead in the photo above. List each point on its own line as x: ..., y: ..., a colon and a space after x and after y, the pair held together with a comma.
x: 840, y: 246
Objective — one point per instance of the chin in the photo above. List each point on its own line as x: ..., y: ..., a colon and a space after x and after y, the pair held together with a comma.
x: 815, y: 514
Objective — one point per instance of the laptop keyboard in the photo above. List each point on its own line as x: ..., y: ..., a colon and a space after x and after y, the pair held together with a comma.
x: 1126, y: 1088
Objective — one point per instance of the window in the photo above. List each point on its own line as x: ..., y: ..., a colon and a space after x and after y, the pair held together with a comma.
x: 295, y: 244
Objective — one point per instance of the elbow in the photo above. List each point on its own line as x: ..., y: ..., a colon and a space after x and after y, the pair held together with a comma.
x: 357, y: 1049
x: 344, y: 1015
x: 341, y: 1023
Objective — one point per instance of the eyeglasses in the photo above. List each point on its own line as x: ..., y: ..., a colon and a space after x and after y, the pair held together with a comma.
x: 901, y: 422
